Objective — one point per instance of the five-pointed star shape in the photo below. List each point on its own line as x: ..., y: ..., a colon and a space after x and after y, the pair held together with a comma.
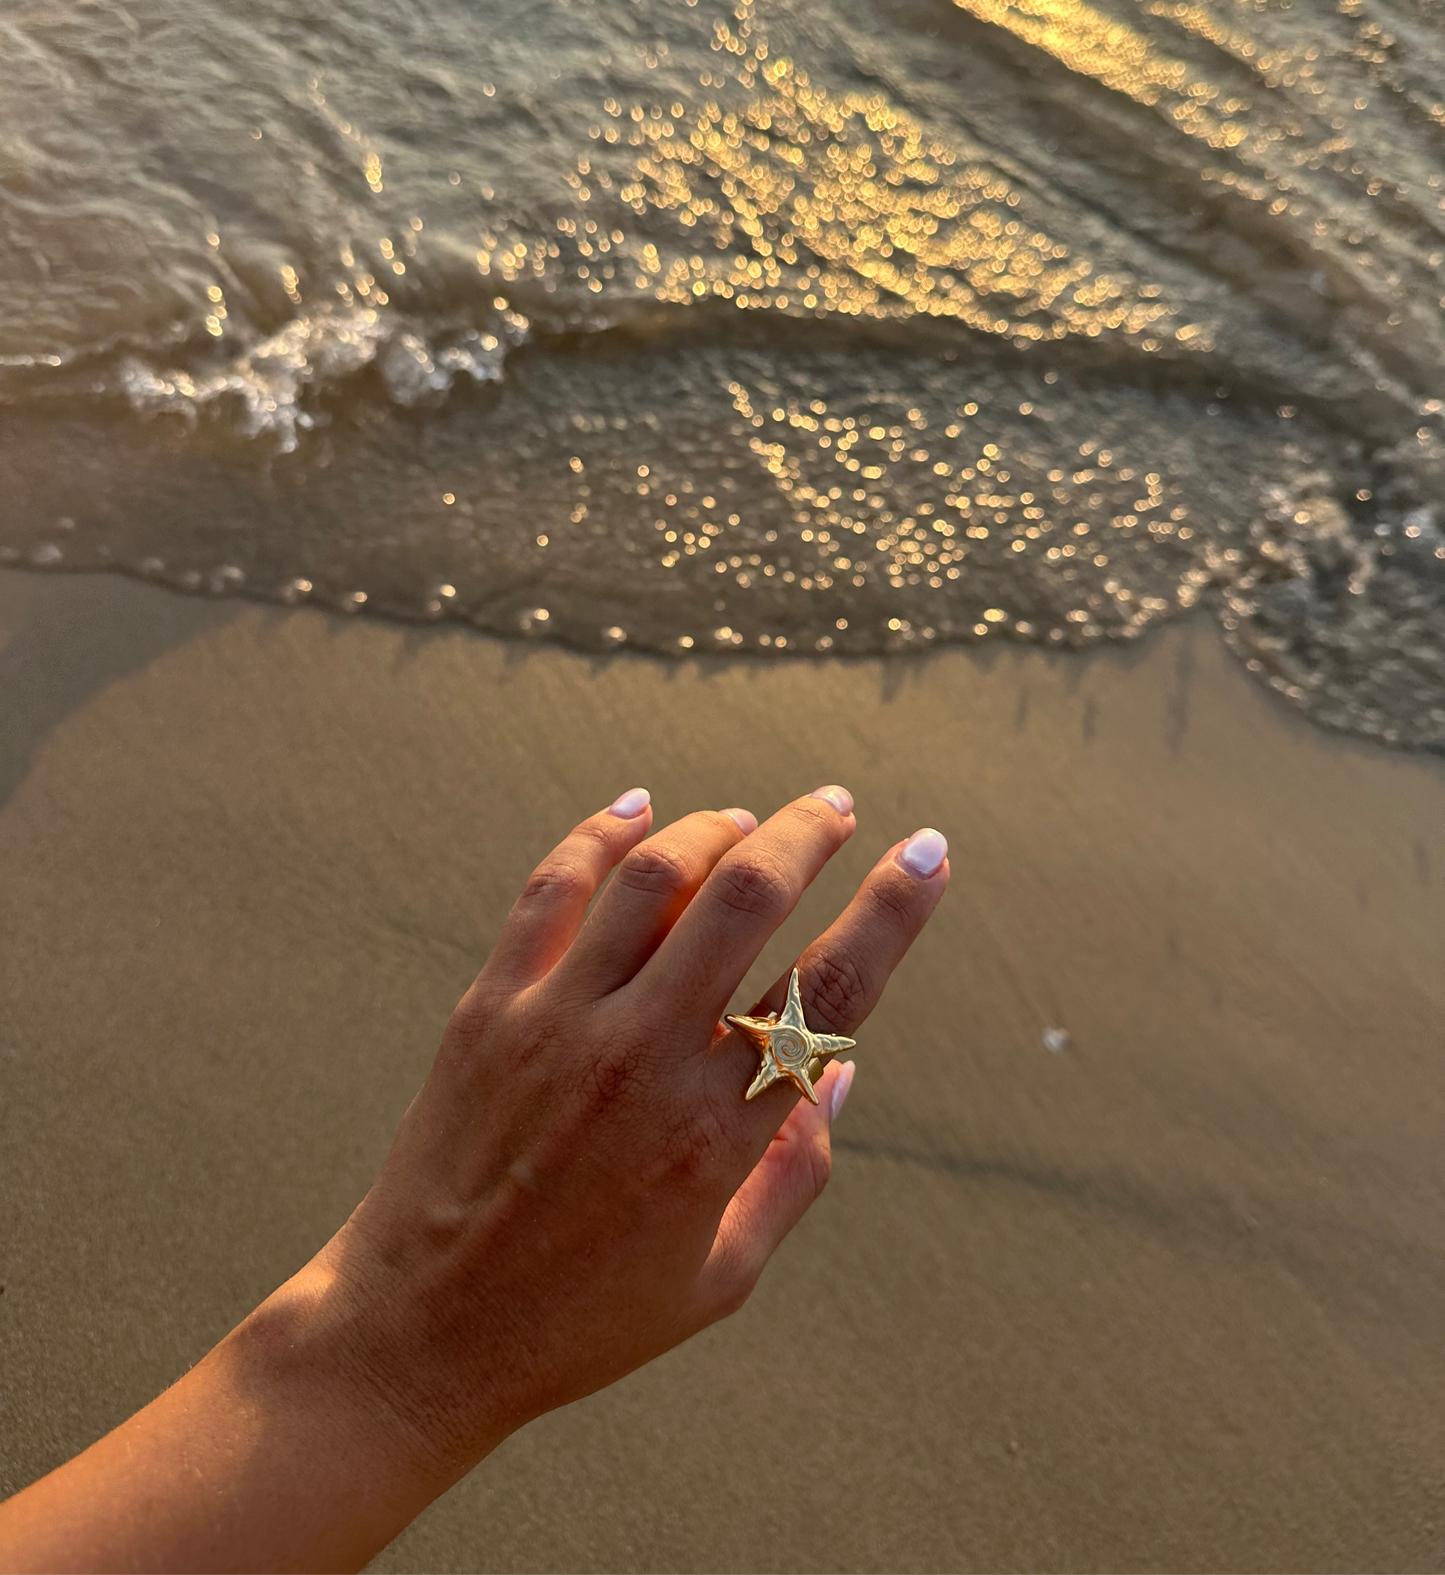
x: 789, y: 1048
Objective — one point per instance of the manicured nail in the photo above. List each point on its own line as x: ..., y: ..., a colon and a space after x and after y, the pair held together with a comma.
x: 924, y: 852
x: 841, y: 1087
x: 631, y: 804
x: 746, y: 820
x: 839, y: 797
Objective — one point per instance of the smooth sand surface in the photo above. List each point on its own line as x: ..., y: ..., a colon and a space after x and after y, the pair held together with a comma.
x: 1173, y: 1297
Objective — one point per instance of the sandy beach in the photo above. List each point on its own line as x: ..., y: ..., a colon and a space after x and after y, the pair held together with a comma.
x: 1170, y: 1297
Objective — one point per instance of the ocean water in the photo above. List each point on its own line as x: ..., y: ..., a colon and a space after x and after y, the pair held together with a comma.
x: 765, y: 326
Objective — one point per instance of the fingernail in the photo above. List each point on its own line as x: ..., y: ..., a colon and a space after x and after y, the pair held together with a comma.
x: 924, y: 852
x: 841, y: 1087
x: 631, y: 804
x: 747, y: 821
x: 839, y: 797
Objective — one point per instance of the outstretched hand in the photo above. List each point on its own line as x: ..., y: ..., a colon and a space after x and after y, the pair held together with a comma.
x: 578, y: 1186
x: 581, y: 1172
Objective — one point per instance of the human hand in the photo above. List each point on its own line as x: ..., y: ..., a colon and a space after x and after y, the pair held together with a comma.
x: 580, y: 1185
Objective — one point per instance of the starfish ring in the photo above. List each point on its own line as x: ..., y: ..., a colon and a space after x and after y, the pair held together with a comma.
x: 789, y: 1048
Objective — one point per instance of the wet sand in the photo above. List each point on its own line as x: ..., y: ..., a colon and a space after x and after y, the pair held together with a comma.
x: 1172, y: 1297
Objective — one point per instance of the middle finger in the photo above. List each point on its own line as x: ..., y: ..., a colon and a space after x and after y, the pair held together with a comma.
x: 652, y: 885
x: 752, y: 889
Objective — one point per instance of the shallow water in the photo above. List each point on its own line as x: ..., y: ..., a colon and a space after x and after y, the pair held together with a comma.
x: 772, y: 326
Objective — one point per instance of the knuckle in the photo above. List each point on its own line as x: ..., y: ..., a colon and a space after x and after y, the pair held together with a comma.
x: 593, y: 833
x: 755, y: 887
x: 894, y: 900
x: 821, y: 813
x: 555, y: 881
x: 654, y: 872
x: 837, y: 989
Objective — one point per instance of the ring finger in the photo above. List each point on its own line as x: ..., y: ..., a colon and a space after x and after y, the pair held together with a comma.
x: 841, y: 975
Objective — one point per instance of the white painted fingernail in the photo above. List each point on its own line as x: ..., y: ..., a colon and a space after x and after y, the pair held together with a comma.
x: 631, y: 804
x: 841, y: 1087
x: 747, y: 822
x: 839, y: 797
x: 924, y: 852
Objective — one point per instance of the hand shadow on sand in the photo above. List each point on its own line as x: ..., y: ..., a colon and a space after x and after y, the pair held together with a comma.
x: 64, y: 637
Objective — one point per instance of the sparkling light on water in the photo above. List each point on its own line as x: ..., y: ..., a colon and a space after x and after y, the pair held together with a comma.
x: 764, y: 327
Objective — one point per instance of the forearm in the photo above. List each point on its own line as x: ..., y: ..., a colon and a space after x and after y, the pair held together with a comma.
x: 274, y: 1452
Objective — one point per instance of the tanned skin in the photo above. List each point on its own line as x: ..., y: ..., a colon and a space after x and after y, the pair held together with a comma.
x: 578, y: 1186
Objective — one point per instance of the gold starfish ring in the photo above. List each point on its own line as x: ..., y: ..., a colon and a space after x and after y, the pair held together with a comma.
x: 789, y: 1048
